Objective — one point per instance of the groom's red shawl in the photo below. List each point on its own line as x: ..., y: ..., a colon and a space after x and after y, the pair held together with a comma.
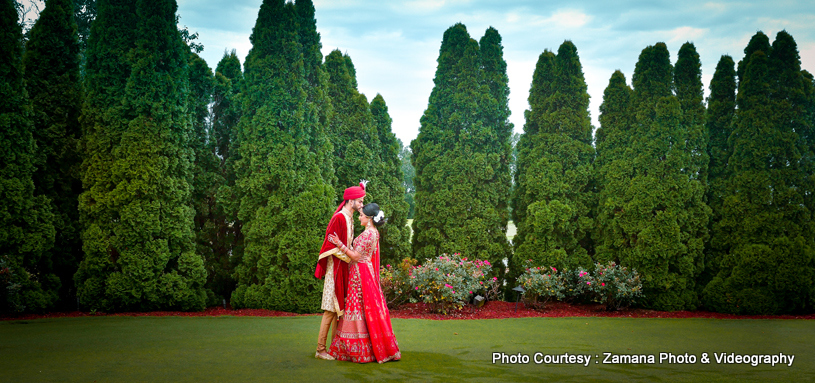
x: 337, y: 226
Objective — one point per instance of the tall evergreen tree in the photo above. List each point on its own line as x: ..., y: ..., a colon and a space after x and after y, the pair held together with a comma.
x: 613, y: 140
x: 284, y: 199
x: 207, y: 176
x: 765, y: 224
x: 719, y: 118
x: 107, y: 71
x: 497, y: 143
x: 660, y: 213
x: 351, y: 130
x: 689, y: 93
x: 226, y: 106
x: 227, y: 239
x: 557, y: 167
x: 688, y: 84
x: 319, y: 110
x: 759, y: 42
x: 51, y: 65
x: 26, y: 222
x: 144, y: 257
x: 388, y: 191
x: 457, y: 155
x: 542, y: 80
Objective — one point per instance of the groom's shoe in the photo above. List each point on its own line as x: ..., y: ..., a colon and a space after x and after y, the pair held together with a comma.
x: 323, y: 355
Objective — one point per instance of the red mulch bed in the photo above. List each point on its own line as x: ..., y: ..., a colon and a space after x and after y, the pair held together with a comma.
x: 491, y: 310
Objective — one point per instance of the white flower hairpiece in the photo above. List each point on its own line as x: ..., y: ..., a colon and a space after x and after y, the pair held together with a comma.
x: 379, y: 216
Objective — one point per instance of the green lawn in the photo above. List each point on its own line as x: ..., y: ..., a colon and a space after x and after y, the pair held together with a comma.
x: 241, y: 349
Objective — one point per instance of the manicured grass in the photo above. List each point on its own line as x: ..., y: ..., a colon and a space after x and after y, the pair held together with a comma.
x: 244, y: 349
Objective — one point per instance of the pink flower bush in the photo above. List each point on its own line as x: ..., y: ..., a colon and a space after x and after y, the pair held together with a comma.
x: 449, y: 282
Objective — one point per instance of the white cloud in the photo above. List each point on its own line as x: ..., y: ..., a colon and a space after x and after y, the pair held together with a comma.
x: 569, y: 18
x: 715, y: 7
x: 425, y: 6
x: 680, y: 35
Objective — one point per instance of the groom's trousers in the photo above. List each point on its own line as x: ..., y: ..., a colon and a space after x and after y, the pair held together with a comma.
x: 329, y: 321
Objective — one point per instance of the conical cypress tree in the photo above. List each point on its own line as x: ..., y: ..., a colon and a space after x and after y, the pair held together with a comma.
x: 226, y: 106
x: 388, y: 190
x: 689, y: 93
x: 319, y: 110
x: 497, y: 146
x: 51, y: 65
x: 688, y: 84
x: 457, y: 188
x: 558, y: 168
x: 719, y: 118
x: 309, y: 41
x: 759, y: 42
x: 230, y: 67
x: 351, y: 130
x: 765, y: 223
x: 113, y: 35
x: 26, y: 222
x: 661, y: 215
x: 284, y: 199
x: 227, y: 241
x: 613, y: 138
x: 207, y: 176
x: 542, y: 81
x: 148, y: 257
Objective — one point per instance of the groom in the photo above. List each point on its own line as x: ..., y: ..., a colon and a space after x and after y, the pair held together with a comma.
x: 332, y: 265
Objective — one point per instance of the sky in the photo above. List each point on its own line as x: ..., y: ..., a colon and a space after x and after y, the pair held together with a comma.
x: 394, y: 44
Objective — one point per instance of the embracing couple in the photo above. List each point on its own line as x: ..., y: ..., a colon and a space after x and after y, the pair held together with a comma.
x: 353, y: 303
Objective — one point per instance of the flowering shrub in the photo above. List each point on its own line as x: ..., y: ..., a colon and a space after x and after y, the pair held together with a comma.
x: 541, y: 285
x: 615, y: 286
x: 395, y: 282
x: 612, y: 285
x: 449, y: 281
x: 578, y: 285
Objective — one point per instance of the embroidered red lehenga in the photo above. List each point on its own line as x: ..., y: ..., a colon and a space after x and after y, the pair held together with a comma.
x: 364, y: 333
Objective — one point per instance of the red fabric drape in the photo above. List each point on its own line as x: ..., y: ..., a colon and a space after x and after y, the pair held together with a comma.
x: 336, y: 225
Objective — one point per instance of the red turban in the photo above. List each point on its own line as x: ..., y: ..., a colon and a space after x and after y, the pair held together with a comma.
x: 353, y: 192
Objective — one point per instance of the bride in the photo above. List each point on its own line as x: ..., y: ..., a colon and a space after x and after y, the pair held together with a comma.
x: 364, y: 333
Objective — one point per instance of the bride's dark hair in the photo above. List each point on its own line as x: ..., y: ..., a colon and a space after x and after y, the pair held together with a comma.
x: 372, y: 210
